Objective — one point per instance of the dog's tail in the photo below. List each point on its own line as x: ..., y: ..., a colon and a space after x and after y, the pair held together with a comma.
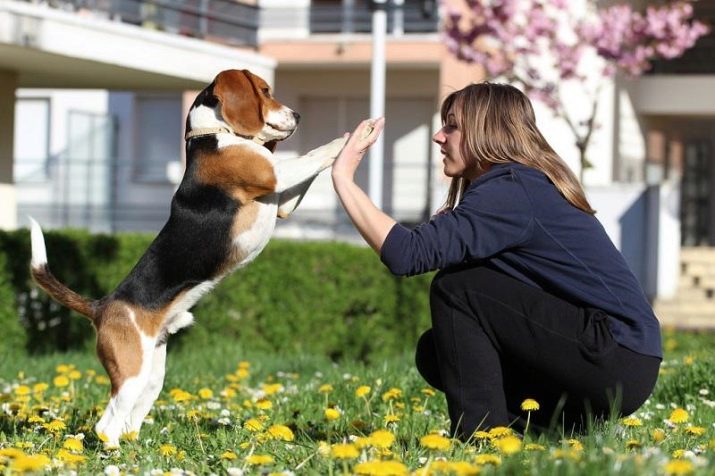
x: 44, y: 278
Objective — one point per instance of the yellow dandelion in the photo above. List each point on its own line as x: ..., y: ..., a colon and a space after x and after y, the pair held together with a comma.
x: 633, y: 444
x: 362, y: 442
x: 253, y: 424
x: 179, y: 395
x: 487, y: 459
x: 264, y: 404
x: 362, y: 391
x: 35, y: 419
x: 61, y: 381
x: 678, y: 454
x: 73, y: 444
x: 75, y: 375
x: 331, y: 414
x: 167, y: 450
x: 574, y: 444
x: 391, y: 394
x: 679, y: 466
x: 529, y: 405
x: 28, y: 463
x: 500, y: 432
x: 55, y: 426
x: 206, y: 393
x: 482, y: 435
x: 658, y: 435
x: 381, y: 468
x: 228, y: 456
x: 382, y: 439
x: 428, y: 392
x: 679, y: 416
x: 22, y: 390
x: 344, y: 451
x: 63, y: 368
x: 534, y: 447
x: 631, y: 421
x: 507, y: 445
x: 281, y: 432
x: 325, y: 388
x: 695, y: 430
x: 102, y: 380
x: 40, y: 387
x: 390, y: 419
x: 69, y: 457
x: 259, y: 460
x: 434, y: 441
x: 271, y: 389
x: 11, y: 453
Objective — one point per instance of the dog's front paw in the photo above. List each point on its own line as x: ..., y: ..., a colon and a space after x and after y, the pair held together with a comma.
x: 330, y: 150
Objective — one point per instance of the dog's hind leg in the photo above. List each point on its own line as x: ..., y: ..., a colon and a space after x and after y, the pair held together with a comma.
x: 127, y: 356
x: 151, y: 391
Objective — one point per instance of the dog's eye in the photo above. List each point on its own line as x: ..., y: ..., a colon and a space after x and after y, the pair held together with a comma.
x: 266, y: 91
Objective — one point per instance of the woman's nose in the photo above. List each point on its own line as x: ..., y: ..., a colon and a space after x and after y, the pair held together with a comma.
x: 438, y: 137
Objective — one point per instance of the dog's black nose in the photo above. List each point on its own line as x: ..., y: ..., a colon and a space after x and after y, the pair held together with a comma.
x: 296, y: 116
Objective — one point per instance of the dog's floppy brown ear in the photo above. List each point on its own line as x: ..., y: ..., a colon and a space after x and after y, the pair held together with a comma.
x: 240, y: 102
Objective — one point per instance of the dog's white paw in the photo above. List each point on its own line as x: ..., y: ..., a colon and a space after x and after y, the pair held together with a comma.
x: 178, y: 322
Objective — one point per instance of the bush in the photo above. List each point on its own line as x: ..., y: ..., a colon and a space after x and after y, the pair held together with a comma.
x: 324, y: 298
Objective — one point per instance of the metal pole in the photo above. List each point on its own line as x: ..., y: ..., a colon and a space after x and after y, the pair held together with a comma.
x: 377, y: 97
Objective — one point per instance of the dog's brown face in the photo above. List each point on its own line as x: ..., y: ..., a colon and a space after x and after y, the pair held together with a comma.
x: 247, y: 106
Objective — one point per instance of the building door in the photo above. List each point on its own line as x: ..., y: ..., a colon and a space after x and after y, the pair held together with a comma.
x: 696, y: 202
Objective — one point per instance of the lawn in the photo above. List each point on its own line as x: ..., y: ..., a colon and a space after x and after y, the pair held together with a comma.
x: 226, y: 411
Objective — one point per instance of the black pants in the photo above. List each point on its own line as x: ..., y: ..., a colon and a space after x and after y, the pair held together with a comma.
x: 496, y: 341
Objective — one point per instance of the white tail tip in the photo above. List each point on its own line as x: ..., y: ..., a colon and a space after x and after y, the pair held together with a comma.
x: 39, y: 253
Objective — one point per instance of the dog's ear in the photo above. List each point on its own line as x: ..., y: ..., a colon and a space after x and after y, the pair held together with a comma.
x: 240, y: 102
x: 271, y: 145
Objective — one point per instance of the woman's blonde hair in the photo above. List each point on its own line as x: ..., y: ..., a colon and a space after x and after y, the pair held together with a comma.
x: 498, y: 126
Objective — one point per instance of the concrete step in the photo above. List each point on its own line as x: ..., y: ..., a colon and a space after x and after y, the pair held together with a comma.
x: 698, y: 269
x: 697, y: 255
x: 684, y: 320
x: 680, y: 308
x: 690, y: 294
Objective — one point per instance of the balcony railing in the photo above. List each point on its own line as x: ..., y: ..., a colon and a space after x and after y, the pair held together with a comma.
x: 223, y: 21
x: 414, y: 16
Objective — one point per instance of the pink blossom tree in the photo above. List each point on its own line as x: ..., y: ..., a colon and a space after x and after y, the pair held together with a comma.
x: 548, y: 45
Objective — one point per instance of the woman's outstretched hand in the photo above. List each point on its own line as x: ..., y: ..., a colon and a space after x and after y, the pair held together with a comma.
x: 364, y: 136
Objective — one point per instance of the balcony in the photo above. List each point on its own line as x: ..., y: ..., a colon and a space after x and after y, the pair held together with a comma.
x: 222, y: 21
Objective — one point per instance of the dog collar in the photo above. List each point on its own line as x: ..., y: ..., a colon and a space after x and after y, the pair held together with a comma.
x: 211, y: 131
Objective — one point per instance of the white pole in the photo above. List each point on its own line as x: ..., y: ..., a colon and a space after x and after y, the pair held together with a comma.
x: 377, y: 97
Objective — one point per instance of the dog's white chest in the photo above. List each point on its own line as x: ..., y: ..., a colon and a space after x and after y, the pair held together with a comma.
x: 250, y: 241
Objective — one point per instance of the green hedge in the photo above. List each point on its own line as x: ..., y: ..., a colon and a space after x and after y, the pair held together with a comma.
x: 305, y: 297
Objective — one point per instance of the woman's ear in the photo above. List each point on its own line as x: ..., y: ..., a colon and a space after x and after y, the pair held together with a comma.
x: 240, y: 104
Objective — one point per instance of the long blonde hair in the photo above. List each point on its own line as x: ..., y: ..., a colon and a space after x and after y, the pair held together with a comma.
x: 498, y: 126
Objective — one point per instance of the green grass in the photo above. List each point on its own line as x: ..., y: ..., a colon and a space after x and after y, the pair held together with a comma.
x: 212, y: 433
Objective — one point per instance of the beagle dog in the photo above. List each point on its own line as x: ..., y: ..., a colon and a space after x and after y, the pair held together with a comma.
x: 222, y: 215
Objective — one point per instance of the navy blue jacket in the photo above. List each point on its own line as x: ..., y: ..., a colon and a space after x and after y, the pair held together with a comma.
x: 516, y: 219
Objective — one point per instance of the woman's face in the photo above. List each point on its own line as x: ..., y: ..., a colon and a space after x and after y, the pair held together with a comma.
x: 449, y: 138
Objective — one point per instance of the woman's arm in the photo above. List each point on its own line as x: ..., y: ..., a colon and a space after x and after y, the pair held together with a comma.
x: 372, y: 223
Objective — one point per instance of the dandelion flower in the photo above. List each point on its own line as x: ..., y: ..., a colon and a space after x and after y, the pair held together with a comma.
x: 679, y: 416
x: 435, y: 442
x: 29, y: 463
x: 529, y: 405
x: 631, y: 421
x: 55, y: 426
x: 658, y: 435
x: 391, y: 394
x: 73, y: 444
x: 331, y: 414
x: 500, y: 432
x: 259, y: 460
x: 487, y: 458
x: 264, y: 404
x: 381, y: 468
x: 75, y: 375
x: 167, y: 450
x: 382, y: 439
x: 281, y: 432
x: 362, y: 391
x: 679, y: 466
x: 428, y: 392
x: 482, y: 435
x: 391, y: 419
x: 325, y: 388
x: 695, y: 430
x: 228, y: 455
x: 344, y: 451
x: 206, y: 393
x: 70, y: 458
x: 61, y: 381
x: 11, y: 453
x: 633, y: 444
x: 253, y: 424
x: 534, y: 447
x: 272, y: 388
x: 508, y: 445
x: 22, y: 390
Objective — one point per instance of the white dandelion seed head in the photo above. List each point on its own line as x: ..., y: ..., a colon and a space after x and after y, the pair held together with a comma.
x: 234, y: 471
x: 704, y: 391
x: 112, y: 470
x: 225, y: 412
x: 213, y: 405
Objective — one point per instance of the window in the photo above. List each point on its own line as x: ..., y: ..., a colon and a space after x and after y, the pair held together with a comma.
x: 32, y: 139
x: 158, y: 136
